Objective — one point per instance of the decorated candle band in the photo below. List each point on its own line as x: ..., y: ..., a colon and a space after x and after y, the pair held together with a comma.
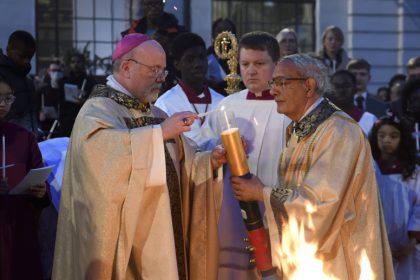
x: 262, y: 253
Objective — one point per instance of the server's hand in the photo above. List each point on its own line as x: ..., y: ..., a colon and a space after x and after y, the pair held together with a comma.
x: 247, y: 189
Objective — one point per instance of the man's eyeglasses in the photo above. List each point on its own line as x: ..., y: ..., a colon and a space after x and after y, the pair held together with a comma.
x: 159, y: 73
x: 8, y: 99
x: 282, y: 81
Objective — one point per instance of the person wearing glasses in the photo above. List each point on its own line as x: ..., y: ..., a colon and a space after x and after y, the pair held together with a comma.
x: 326, y: 178
x: 263, y: 130
x: 133, y: 195
x: 161, y: 26
x: 19, y: 214
x: 192, y: 92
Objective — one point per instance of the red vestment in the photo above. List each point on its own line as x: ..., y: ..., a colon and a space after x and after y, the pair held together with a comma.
x: 19, y: 214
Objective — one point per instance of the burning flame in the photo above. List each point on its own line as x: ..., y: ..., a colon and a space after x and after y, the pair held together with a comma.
x: 298, y: 257
x: 366, y: 270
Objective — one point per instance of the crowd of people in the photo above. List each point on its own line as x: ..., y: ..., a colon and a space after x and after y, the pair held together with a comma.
x: 146, y: 180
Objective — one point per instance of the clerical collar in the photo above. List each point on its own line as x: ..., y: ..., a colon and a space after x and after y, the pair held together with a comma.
x: 192, y: 96
x: 113, y: 83
x: 355, y: 113
x: 119, y: 97
x: 363, y: 94
x: 266, y: 95
x: 313, y: 106
x: 311, y: 121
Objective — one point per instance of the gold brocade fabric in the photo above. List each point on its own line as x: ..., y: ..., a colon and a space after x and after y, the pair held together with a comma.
x: 174, y: 195
x: 171, y: 174
x: 115, y: 219
x: 120, y: 98
x: 328, y: 164
x: 311, y: 121
x: 302, y: 129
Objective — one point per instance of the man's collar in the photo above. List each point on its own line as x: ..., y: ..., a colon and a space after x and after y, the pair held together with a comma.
x: 113, y: 83
x: 119, y: 97
x: 364, y: 94
x: 193, y: 97
x: 265, y: 95
x: 309, y: 123
x: 312, y: 107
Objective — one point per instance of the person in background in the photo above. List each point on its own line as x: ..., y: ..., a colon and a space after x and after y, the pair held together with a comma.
x: 288, y: 42
x: 218, y: 68
x: 161, y: 26
x: 326, y: 178
x: 407, y: 108
x: 156, y: 20
x: 79, y: 79
x: 192, y: 93
x: 19, y: 214
x: 15, y: 66
x: 263, y: 130
x: 49, y: 96
x: 413, y: 73
x: 383, y: 94
x: 410, y: 110
x: 413, y: 68
x: 364, y: 100
x: 332, y: 53
x: 398, y: 179
x: 395, y: 86
x: 342, y: 94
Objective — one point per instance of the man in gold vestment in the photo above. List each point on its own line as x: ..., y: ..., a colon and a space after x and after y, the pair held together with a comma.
x: 136, y: 202
x: 327, y: 164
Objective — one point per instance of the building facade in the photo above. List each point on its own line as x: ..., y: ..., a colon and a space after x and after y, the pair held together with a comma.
x: 385, y: 32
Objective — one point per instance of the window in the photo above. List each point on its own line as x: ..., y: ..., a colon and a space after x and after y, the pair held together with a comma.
x: 54, y: 28
x: 271, y: 16
x: 91, y: 26
x: 97, y: 27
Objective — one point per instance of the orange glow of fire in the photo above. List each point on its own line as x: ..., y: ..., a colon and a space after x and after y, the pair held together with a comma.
x: 298, y: 257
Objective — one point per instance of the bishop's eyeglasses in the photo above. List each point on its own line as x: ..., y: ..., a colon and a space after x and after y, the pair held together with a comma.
x: 282, y: 81
x: 159, y: 73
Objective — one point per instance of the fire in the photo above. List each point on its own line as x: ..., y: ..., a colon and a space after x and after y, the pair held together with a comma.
x: 366, y: 269
x: 298, y: 257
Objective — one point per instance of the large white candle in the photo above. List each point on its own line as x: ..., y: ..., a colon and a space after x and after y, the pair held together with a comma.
x: 3, y: 159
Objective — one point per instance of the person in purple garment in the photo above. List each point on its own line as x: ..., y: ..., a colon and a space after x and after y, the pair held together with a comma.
x: 19, y: 214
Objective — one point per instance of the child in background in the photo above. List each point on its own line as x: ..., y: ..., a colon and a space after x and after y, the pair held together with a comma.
x: 399, y: 186
x: 19, y: 214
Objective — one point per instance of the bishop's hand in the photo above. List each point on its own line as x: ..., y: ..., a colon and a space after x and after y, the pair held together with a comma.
x: 177, y: 123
